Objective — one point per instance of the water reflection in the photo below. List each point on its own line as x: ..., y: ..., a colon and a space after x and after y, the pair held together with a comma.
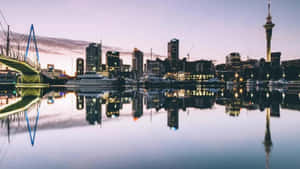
x: 268, y: 140
x: 170, y: 100
x: 21, y: 110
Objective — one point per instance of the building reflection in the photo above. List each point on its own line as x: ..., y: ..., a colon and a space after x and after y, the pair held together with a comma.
x: 106, y: 105
x: 173, y: 101
x: 290, y: 100
x: 238, y: 98
x: 180, y: 99
x: 93, y: 110
x: 173, y: 119
x: 113, y: 105
x: 137, y: 105
x: 169, y: 100
x: 80, y: 102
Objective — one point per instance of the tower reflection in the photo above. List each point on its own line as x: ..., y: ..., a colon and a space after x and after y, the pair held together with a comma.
x: 101, y: 106
x: 268, y: 140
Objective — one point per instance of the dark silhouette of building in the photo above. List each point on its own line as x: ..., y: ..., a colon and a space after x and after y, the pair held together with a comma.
x: 249, y: 69
x: 173, y: 56
x: 137, y: 63
x: 199, y: 70
x: 233, y: 61
x: 275, y: 59
x: 264, y: 70
x: 269, y: 28
x: 291, y: 69
x: 93, y: 57
x: 113, y: 63
x: 275, y: 64
x: 173, y: 50
x: 156, y: 67
x: 126, y: 71
x: 237, y: 70
x: 79, y: 66
x: 183, y: 70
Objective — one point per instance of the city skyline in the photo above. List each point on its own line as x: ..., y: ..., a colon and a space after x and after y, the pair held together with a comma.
x: 200, y: 25
x: 174, y: 64
x: 149, y: 84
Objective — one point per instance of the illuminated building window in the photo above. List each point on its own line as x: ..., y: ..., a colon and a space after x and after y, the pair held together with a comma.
x: 283, y: 75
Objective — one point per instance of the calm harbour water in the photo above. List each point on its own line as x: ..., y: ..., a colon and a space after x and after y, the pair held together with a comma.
x: 154, y: 128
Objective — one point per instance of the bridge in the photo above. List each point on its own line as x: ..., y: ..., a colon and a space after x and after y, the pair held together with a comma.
x: 28, y: 68
x: 20, y: 106
x: 28, y: 73
x: 29, y: 97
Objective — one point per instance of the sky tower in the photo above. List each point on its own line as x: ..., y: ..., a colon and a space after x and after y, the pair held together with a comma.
x: 269, y: 27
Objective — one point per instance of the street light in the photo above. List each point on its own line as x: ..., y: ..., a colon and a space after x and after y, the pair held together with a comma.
x: 236, y: 75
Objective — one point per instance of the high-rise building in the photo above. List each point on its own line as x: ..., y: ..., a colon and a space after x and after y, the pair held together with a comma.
x: 156, y: 67
x: 291, y: 69
x: 93, y: 57
x: 275, y: 59
x: 233, y: 60
x: 269, y: 28
x: 113, y: 62
x: 275, y: 66
x: 199, y: 70
x: 79, y: 66
x: 173, y: 50
x: 137, y: 63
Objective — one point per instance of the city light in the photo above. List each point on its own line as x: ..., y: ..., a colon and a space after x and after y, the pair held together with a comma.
x: 149, y: 84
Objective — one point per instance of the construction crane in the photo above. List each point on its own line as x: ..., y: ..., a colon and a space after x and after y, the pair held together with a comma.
x: 189, y: 53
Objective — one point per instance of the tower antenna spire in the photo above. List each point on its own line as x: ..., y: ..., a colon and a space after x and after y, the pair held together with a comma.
x: 269, y: 18
x: 269, y: 29
x: 269, y: 8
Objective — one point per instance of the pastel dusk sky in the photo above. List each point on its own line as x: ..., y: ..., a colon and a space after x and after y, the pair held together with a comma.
x: 213, y: 28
